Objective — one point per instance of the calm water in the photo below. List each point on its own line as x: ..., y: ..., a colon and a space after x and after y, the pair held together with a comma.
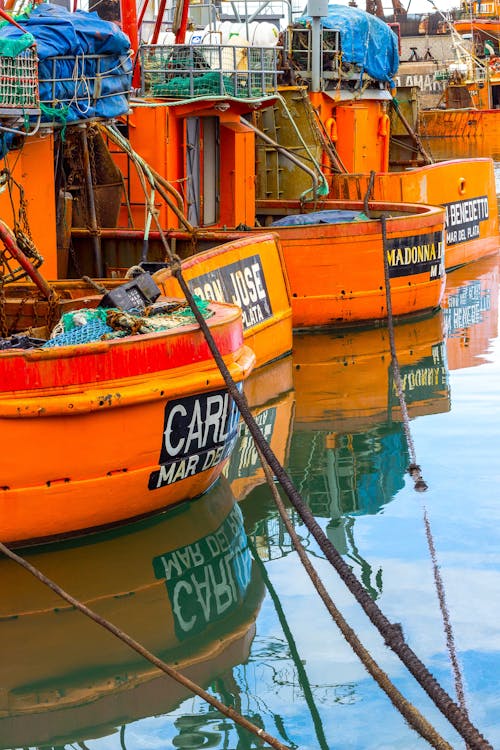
x: 216, y: 589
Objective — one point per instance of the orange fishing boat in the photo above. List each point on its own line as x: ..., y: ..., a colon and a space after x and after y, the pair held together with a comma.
x: 471, y: 101
x: 248, y: 273
x: 82, y: 187
x: 139, y: 578
x: 211, y: 196
x: 351, y: 98
x: 128, y: 411
x: 327, y: 288
x: 482, y: 21
x: 341, y: 279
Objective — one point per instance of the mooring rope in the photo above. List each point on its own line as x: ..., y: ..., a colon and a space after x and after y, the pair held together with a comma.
x: 392, y: 634
x: 228, y: 711
x: 420, y: 485
x: 413, y: 469
x: 406, y: 709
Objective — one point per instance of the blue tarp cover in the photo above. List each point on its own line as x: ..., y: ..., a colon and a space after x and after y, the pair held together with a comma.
x: 366, y: 40
x: 334, y: 216
x: 58, y: 32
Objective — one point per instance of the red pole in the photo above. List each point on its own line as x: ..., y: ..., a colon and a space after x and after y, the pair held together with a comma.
x: 158, y: 22
x: 142, y: 13
x: 8, y: 18
x: 11, y: 245
x: 129, y: 27
x: 180, y: 35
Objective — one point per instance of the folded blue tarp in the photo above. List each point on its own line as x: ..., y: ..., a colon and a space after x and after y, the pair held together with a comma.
x: 334, y: 216
x: 366, y: 40
x: 57, y: 32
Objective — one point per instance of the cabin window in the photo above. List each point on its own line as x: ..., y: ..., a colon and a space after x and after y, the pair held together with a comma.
x: 202, y: 170
x: 495, y: 97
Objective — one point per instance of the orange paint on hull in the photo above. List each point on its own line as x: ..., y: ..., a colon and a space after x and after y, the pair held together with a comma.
x: 135, y: 578
x: 452, y: 184
x: 249, y: 273
x: 461, y: 123
x: 111, y: 451
x: 336, y: 271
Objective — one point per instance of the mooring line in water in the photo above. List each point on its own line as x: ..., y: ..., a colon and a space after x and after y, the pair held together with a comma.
x: 413, y: 469
x: 450, y: 640
x: 412, y: 715
x: 392, y: 634
x: 420, y: 485
x: 148, y: 655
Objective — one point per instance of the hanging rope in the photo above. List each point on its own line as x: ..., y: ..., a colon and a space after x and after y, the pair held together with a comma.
x: 163, y: 666
x: 420, y: 485
x: 413, y: 469
x: 391, y: 633
x: 405, y: 708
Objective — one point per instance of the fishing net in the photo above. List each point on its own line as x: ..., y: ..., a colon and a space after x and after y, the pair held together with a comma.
x: 100, y: 324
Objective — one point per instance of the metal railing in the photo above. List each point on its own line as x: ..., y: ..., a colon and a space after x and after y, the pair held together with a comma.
x: 83, y: 79
x: 194, y: 70
x: 19, y: 82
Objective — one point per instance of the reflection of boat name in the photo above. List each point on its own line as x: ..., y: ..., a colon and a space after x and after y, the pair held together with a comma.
x: 463, y: 217
x: 198, y: 434
x: 246, y: 460
x: 466, y: 307
x: 416, y: 256
x: 423, y: 377
x: 241, y: 283
x: 247, y: 453
x: 207, y: 578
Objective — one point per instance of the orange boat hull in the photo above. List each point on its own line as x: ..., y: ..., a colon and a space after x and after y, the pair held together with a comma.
x: 336, y: 271
x: 121, y: 432
x: 464, y: 187
x: 248, y: 273
x: 460, y: 123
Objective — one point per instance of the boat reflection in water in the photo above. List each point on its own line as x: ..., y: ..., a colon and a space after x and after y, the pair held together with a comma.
x: 471, y: 300
x: 348, y: 454
x: 183, y: 584
x: 270, y: 395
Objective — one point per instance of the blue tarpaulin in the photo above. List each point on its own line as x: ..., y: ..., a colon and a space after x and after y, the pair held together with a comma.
x: 57, y: 32
x: 366, y: 40
x: 334, y: 216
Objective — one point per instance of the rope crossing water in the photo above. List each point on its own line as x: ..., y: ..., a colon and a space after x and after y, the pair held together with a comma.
x: 163, y: 666
x: 420, y: 485
x: 406, y: 709
x: 392, y: 634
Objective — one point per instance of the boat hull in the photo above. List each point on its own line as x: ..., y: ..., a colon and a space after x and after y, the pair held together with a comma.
x: 248, y: 273
x: 336, y: 271
x: 460, y: 123
x: 459, y: 186
x: 105, y: 450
